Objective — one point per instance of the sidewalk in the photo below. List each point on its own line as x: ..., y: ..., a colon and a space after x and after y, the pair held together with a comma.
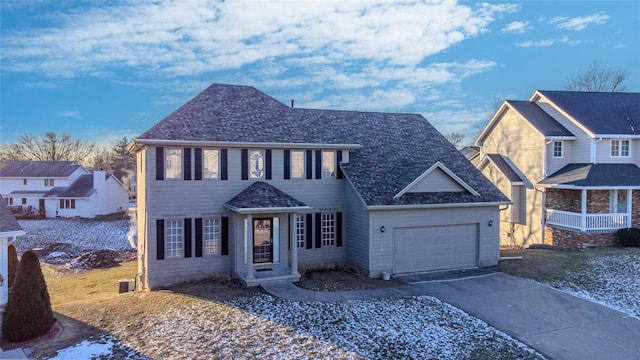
x: 558, y: 325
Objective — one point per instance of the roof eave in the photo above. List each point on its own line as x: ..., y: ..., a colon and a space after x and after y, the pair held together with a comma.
x: 139, y: 143
x: 247, y: 211
x: 435, y: 206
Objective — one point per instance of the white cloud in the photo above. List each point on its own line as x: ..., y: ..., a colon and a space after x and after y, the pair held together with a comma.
x: 517, y: 27
x: 41, y: 85
x: 549, y: 42
x: 69, y: 114
x: 579, y: 23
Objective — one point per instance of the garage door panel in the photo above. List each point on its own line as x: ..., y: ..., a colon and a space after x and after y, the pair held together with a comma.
x: 430, y: 248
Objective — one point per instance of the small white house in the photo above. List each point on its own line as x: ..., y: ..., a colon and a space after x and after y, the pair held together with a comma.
x: 9, y: 231
x: 61, y: 189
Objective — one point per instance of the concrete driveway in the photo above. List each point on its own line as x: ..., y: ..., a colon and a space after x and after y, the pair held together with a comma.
x: 557, y: 324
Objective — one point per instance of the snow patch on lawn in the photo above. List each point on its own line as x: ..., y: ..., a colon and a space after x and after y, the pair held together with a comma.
x: 103, y: 348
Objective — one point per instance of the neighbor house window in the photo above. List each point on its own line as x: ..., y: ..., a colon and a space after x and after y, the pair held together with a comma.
x: 24, y: 201
x: 210, y: 165
x: 173, y: 163
x: 328, y: 228
x: 24, y: 181
x: 620, y: 148
x: 173, y: 238
x: 328, y: 164
x: 211, y: 236
x: 256, y: 164
x: 67, y: 203
x: 48, y: 182
x: 300, y: 238
x: 557, y: 149
x: 297, y: 164
x: 10, y: 201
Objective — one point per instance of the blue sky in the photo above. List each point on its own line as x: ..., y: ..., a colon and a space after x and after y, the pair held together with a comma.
x: 101, y: 70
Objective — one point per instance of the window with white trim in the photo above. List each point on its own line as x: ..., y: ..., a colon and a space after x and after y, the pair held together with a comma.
x: 210, y: 166
x: 256, y: 164
x: 24, y: 181
x: 300, y: 233
x: 211, y: 236
x: 24, y: 201
x: 328, y: 229
x: 558, y: 149
x: 328, y: 164
x: 173, y: 238
x: 297, y: 164
x: 173, y: 163
x: 620, y: 148
x: 67, y: 203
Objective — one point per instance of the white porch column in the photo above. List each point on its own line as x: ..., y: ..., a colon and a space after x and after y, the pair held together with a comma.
x: 583, y: 210
x: 4, y: 272
x: 249, y: 246
x: 629, y: 222
x: 293, y: 243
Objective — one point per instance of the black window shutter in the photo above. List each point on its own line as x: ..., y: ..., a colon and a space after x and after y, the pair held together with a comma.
x: 197, y: 154
x: 318, y: 230
x: 309, y: 229
x: 244, y: 163
x: 187, y: 163
x: 159, y: 163
x: 267, y: 166
x: 339, y: 229
x: 224, y: 234
x: 159, y: 239
x: 309, y: 164
x: 198, y: 237
x: 318, y: 164
x: 187, y: 238
x: 338, y: 161
x: 287, y: 164
x: 224, y: 173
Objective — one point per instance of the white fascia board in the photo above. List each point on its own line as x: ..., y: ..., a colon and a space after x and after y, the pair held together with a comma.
x: 10, y: 234
x: 539, y: 96
x: 573, y: 187
x: 617, y: 136
x: 485, y: 131
x: 237, y: 144
x: 267, y: 210
x: 435, y: 206
x: 441, y: 166
x: 568, y: 138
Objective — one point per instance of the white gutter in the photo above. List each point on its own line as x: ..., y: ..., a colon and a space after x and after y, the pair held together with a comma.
x: 239, y: 144
x: 267, y: 210
x: 435, y: 206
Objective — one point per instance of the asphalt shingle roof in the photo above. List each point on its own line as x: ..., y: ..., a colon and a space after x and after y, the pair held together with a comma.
x: 595, y: 175
x: 8, y: 222
x: 18, y: 168
x: 504, y: 167
x: 539, y: 119
x: 395, y: 148
x: 601, y: 112
x: 260, y: 195
x: 82, y: 187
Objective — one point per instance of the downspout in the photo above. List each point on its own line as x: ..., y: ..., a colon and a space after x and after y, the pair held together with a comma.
x: 593, y: 150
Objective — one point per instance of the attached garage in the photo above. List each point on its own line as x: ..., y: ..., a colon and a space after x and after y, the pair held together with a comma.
x: 429, y: 248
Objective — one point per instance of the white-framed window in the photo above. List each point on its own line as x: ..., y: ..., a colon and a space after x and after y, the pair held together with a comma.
x: 210, y: 163
x: 24, y: 201
x: 173, y: 238
x: 173, y: 163
x: 300, y: 231
x: 328, y: 229
x: 67, y: 203
x: 620, y: 148
x: 558, y: 149
x: 24, y: 181
x: 10, y: 201
x: 328, y: 164
x: 618, y: 201
x: 256, y: 164
x: 211, y: 236
x: 297, y: 164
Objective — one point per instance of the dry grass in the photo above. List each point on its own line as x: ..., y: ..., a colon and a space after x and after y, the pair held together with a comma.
x: 341, y: 277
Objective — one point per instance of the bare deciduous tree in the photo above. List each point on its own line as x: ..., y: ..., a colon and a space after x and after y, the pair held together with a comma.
x: 596, y: 78
x: 50, y: 146
x: 455, y: 138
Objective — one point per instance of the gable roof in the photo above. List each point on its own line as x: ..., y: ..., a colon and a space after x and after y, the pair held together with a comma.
x: 390, y: 150
x: 81, y: 188
x: 539, y: 119
x: 259, y: 196
x: 612, y: 113
x: 19, y: 168
x: 9, y: 226
x: 593, y: 175
x: 504, y: 167
x: 438, y: 165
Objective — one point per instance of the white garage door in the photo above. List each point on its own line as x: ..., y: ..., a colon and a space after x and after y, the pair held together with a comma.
x: 429, y: 248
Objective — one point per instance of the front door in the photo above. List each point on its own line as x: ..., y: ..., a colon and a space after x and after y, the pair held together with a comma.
x: 262, y: 240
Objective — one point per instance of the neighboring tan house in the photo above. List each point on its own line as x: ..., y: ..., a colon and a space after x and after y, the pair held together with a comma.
x: 236, y: 182
x: 569, y: 161
x: 9, y: 231
x: 61, y: 189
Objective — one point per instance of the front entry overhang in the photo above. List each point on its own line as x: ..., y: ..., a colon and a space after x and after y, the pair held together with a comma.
x: 261, y: 197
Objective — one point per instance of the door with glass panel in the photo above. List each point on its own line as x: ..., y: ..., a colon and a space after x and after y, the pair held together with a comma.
x: 262, y: 240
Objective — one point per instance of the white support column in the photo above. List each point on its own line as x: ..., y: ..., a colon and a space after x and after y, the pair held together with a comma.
x: 249, y: 246
x: 294, y: 244
x: 629, y: 207
x: 583, y: 210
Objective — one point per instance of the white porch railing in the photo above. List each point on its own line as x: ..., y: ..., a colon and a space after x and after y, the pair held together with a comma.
x: 586, y: 222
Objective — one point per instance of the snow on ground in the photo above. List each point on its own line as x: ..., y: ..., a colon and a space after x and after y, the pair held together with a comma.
x: 104, y: 348
x: 612, y: 280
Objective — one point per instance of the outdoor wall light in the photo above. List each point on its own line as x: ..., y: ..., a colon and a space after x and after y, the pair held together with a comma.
x: 490, y: 222
x: 382, y: 228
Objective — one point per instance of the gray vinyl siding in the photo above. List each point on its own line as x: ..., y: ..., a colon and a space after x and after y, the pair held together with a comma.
x: 436, y: 181
x: 603, y: 152
x: 382, y: 244
x: 357, y: 233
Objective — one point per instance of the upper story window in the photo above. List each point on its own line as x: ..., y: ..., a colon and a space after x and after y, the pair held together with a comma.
x: 173, y: 163
x: 328, y: 164
x: 297, y: 164
x: 256, y: 164
x: 558, y: 149
x: 210, y: 167
x: 49, y: 182
x: 24, y: 181
x: 620, y: 148
x: 173, y: 236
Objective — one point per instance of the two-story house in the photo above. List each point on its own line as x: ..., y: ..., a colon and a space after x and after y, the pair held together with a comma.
x: 569, y: 161
x: 236, y: 182
x: 61, y: 189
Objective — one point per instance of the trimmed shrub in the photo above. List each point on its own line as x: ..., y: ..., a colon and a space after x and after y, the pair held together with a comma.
x: 28, y: 312
x: 629, y: 237
x: 13, y: 264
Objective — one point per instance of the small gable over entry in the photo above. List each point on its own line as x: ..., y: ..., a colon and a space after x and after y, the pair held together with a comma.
x: 438, y: 178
